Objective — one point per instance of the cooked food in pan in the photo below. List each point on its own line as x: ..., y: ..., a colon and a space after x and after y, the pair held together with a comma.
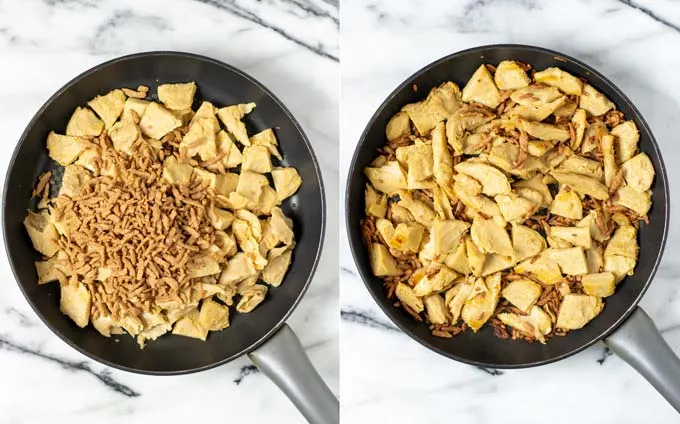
x: 159, y: 222
x: 514, y: 203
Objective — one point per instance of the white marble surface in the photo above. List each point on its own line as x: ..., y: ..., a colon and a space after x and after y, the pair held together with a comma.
x: 386, y: 377
x: 289, y: 45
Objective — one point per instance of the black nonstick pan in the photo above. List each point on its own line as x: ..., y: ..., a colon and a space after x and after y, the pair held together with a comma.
x: 622, y: 325
x: 262, y: 334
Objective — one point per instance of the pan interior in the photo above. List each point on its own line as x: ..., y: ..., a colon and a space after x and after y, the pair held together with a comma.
x: 483, y: 348
x: 223, y: 86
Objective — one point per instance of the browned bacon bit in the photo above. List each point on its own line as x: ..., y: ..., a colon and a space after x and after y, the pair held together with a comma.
x: 389, y: 293
x: 572, y: 133
x: 616, y: 182
x: 499, y: 329
x: 523, y: 149
x: 613, y: 118
x: 563, y: 221
x: 45, y: 198
x: 399, y: 142
x: 368, y: 230
x: 594, y: 119
x: 43, y: 181
x: 413, y: 313
x: 525, y: 66
x: 518, y: 335
x: 546, y: 227
x: 389, y: 153
x: 442, y: 334
x: 599, y: 220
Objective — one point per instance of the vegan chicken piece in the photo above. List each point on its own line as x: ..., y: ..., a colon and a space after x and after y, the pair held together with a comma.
x: 42, y: 232
x: 190, y: 326
x: 577, y: 310
x: 490, y: 237
x: 133, y: 109
x: 526, y: 242
x: 109, y: 107
x: 231, y: 155
x: 638, y: 172
x: 84, y: 123
x: 638, y: 202
x: 482, y: 89
x: 388, y: 178
x: 510, y: 76
x: 594, y: 102
x: 231, y: 117
x: 441, y: 103
x: 564, y: 81
x: 398, y: 126
x: 600, y: 284
x: 522, y: 293
x: 406, y: 295
x: 65, y: 149
x: 436, y: 310
x: 627, y: 137
x: 251, y: 298
x: 537, y: 324
x: 382, y: 262
x: 75, y: 301
x: 257, y: 159
x: 535, y: 95
x: 492, y: 180
x: 286, y: 181
x: 201, y: 139
x: 123, y: 135
x: 542, y: 267
x: 482, y: 301
x: 434, y: 280
x: 177, y: 96
x: 157, y: 121
x: 267, y: 138
x: 276, y: 268
x: 213, y: 316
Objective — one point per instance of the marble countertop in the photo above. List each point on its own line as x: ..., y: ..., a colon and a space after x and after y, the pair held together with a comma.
x: 292, y: 47
x: 398, y: 381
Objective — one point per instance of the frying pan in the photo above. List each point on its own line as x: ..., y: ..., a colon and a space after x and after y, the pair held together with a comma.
x: 262, y: 334
x: 625, y: 327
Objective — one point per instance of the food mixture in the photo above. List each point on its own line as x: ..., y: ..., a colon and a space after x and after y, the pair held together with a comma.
x: 514, y: 203
x: 161, y: 222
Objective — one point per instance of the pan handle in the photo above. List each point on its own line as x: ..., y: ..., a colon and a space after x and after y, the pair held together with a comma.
x: 638, y: 342
x: 282, y: 359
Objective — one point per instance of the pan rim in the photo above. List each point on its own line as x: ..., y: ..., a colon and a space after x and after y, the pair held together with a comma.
x: 388, y: 310
x: 288, y: 114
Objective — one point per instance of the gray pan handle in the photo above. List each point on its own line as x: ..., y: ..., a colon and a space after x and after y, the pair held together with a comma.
x: 282, y: 359
x: 638, y: 342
